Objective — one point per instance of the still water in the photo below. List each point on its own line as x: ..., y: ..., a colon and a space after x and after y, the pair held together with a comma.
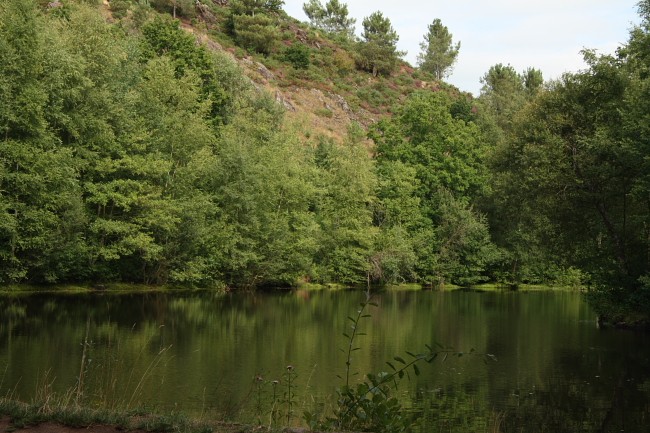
x: 217, y: 355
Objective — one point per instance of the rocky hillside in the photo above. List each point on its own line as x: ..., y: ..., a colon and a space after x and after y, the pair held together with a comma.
x: 323, y: 95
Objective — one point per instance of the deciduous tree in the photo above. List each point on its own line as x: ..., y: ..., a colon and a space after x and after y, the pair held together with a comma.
x: 448, y: 236
x: 347, y: 184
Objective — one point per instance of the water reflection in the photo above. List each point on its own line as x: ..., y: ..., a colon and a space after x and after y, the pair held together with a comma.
x: 201, y: 353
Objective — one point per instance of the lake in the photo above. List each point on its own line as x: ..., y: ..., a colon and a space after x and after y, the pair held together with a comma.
x: 217, y: 355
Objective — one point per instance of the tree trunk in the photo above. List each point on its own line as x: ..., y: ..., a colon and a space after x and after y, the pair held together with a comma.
x: 618, y: 242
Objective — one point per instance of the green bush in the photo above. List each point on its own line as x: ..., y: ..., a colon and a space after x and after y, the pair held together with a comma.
x: 324, y: 112
x: 120, y: 8
x: 257, y: 33
x: 299, y: 55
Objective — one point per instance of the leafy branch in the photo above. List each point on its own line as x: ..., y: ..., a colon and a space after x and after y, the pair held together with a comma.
x: 369, y: 406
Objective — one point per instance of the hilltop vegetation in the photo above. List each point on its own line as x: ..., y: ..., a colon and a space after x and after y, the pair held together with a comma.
x: 223, y: 143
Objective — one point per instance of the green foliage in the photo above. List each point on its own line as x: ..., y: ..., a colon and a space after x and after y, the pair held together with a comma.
x: 254, y: 7
x: 41, y: 228
x: 573, y: 175
x: 465, y: 249
x: 176, y: 8
x: 448, y: 146
x: 262, y: 231
x: 254, y: 24
x: 133, y: 153
x: 517, y: 227
x: 332, y: 18
x: 432, y: 217
x: 505, y: 92
x: 572, y: 278
x: 399, y: 215
x: 221, y: 82
x: 39, y: 192
x: 377, y: 51
x: 113, y: 171
x: 119, y: 8
x: 533, y: 81
x: 346, y: 184
x: 438, y: 53
x: 371, y: 404
x: 258, y: 33
x: 22, y: 47
x: 299, y: 55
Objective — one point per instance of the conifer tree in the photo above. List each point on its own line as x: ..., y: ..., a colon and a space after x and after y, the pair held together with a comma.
x: 254, y: 24
x: 438, y: 51
x: 377, y: 52
x: 332, y: 18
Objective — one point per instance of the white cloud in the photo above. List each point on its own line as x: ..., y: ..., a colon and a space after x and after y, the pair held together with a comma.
x: 547, y: 35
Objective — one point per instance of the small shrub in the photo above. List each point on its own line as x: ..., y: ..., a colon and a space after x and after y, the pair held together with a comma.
x: 141, y: 13
x: 299, y: 55
x: 571, y: 278
x: 240, y: 53
x: 372, y: 97
x: 344, y: 62
x: 405, y: 80
x: 324, y: 112
x: 120, y: 8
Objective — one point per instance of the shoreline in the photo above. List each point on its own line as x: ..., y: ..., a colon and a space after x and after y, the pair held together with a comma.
x: 120, y: 288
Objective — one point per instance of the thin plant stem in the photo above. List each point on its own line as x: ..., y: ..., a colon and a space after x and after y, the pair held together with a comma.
x: 80, y: 380
x: 154, y: 362
x: 351, y: 338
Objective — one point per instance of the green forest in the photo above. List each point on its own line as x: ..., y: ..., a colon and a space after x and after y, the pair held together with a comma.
x: 131, y: 152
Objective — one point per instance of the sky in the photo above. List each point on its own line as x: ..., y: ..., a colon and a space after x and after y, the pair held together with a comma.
x: 547, y: 35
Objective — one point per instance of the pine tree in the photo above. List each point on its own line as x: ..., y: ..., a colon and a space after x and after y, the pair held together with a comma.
x: 377, y: 52
x: 332, y: 18
x: 438, y: 51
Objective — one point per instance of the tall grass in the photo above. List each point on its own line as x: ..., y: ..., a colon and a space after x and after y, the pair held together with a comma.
x: 101, y: 394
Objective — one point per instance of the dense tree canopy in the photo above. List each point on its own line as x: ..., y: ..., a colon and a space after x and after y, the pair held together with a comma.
x: 130, y: 152
x: 572, y: 173
x: 254, y: 7
x: 99, y: 155
x: 443, y: 154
